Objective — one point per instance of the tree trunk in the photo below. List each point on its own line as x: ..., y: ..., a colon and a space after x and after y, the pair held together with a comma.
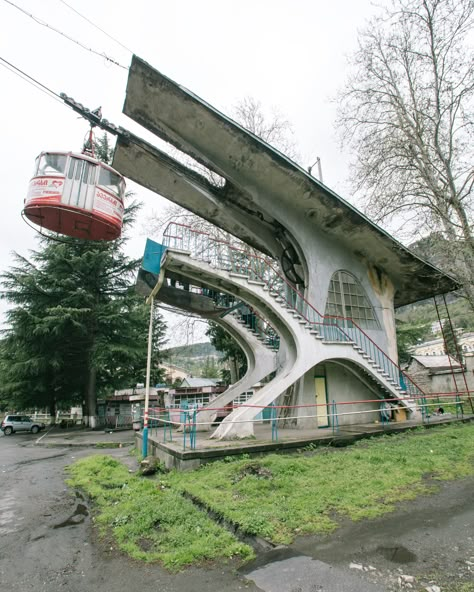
x: 234, y: 370
x: 52, y: 411
x: 91, y: 399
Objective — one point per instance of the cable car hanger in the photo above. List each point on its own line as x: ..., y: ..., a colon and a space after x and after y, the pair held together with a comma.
x: 75, y: 194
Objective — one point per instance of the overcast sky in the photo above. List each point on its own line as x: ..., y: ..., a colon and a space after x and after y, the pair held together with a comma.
x: 289, y: 55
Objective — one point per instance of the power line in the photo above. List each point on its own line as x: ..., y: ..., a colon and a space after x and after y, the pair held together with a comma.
x: 96, y: 26
x: 45, y: 24
x: 27, y: 78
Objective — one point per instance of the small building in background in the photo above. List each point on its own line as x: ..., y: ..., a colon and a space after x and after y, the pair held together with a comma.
x: 435, y: 347
x: 441, y: 373
x: 173, y: 373
x: 120, y: 409
x: 194, y: 393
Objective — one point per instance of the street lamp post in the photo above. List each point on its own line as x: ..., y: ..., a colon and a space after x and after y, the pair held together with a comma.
x: 150, y: 300
x: 147, y: 383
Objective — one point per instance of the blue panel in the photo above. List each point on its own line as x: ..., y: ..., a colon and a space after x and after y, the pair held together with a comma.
x: 152, y: 257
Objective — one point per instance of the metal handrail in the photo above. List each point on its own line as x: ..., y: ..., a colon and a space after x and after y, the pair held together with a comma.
x: 256, y: 323
x: 229, y: 257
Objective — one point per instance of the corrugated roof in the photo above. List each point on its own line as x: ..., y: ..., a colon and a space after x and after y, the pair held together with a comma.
x: 437, y: 362
x: 199, y: 382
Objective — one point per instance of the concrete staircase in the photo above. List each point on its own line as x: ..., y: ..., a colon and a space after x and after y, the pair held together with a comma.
x: 304, y: 343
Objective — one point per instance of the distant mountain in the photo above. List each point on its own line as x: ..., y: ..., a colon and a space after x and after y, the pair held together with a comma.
x: 195, y: 350
x: 192, y: 358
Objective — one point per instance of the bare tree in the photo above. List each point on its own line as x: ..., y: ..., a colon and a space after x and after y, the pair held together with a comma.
x: 272, y: 128
x: 406, y: 111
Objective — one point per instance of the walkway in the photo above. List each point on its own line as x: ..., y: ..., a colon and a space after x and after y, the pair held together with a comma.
x: 179, y: 454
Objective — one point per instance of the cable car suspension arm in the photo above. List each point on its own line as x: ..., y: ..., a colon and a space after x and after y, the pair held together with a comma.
x: 94, y: 117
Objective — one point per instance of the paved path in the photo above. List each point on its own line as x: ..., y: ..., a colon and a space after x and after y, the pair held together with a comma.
x: 48, y: 541
x: 81, y: 437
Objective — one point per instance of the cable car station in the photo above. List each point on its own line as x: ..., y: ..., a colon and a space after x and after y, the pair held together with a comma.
x: 313, y: 308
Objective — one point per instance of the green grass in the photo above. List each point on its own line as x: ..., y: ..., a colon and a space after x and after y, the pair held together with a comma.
x: 148, y: 520
x: 276, y: 496
x: 305, y: 494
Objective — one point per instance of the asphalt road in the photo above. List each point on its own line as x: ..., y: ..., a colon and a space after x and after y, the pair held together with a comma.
x: 47, y: 541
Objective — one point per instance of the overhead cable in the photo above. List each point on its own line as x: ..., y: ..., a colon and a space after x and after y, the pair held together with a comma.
x: 45, y: 24
x: 27, y: 78
x: 96, y: 26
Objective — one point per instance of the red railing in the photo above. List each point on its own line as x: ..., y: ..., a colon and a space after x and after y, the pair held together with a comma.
x: 234, y: 258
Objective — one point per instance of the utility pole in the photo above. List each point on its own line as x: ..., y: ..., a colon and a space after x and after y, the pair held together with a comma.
x: 150, y: 300
x: 320, y: 170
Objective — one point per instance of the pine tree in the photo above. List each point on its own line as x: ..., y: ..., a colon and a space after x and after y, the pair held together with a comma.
x: 233, y: 353
x: 77, y: 325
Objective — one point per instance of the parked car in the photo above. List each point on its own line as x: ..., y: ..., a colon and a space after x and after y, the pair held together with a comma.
x: 20, y: 423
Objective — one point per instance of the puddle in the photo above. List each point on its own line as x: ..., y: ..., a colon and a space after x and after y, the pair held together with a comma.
x: 269, y: 557
x: 78, y: 517
x: 397, y: 554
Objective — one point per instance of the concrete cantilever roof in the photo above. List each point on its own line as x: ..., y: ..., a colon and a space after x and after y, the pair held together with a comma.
x: 251, y: 167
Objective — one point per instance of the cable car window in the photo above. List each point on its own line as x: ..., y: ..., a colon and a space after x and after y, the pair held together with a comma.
x: 110, y: 181
x: 52, y: 164
x: 79, y: 170
x: 85, y: 172
x: 35, y: 172
x: 93, y: 169
x: 72, y: 163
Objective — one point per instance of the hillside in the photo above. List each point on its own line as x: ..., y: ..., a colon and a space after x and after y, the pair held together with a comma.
x: 424, y: 313
x: 194, y: 358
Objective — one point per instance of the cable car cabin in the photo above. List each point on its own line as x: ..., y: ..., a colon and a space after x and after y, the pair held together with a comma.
x: 76, y: 195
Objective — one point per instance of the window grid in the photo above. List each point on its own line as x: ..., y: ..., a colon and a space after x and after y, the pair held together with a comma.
x: 346, y: 298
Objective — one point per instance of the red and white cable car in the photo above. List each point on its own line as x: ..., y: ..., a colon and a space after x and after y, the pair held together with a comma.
x: 76, y: 195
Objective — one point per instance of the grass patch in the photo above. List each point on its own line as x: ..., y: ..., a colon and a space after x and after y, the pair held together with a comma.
x: 280, y: 496
x: 276, y: 497
x: 460, y: 587
x: 150, y: 520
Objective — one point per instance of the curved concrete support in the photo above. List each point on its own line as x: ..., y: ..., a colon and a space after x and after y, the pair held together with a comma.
x: 304, y: 347
x: 261, y: 361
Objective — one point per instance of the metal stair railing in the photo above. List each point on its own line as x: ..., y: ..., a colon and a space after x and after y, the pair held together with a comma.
x: 236, y: 259
x: 255, y: 323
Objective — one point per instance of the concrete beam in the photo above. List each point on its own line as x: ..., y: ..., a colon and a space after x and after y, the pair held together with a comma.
x: 278, y: 187
x: 223, y: 206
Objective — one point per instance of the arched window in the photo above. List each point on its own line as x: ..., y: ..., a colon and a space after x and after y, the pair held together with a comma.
x: 346, y: 298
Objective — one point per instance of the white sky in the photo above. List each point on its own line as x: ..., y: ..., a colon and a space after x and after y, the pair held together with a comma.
x: 290, y: 55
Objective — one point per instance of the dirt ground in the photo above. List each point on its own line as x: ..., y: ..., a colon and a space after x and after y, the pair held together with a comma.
x: 48, y: 542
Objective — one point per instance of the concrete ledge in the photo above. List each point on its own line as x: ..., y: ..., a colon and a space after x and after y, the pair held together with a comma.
x: 182, y: 460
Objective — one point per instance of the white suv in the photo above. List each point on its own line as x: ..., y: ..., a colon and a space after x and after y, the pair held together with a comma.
x: 20, y: 423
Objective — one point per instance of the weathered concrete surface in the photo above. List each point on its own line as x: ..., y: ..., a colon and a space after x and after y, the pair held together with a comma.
x: 271, y: 192
x: 304, y: 574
